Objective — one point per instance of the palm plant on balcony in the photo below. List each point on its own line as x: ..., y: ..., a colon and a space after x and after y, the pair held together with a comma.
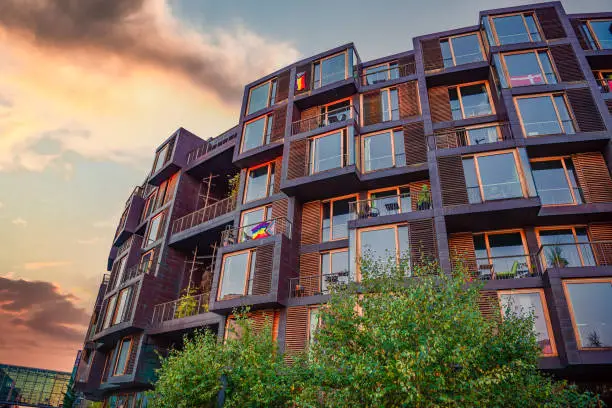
x: 424, y: 198
x: 555, y: 256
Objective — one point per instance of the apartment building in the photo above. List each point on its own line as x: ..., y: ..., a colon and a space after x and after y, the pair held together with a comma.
x: 488, y: 144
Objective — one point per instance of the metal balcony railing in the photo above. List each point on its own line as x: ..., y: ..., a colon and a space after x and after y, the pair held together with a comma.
x: 459, y: 137
x: 567, y: 255
x: 376, y: 75
x: 185, y: 306
x: 256, y: 231
x: 390, y: 205
x: 317, y: 284
x: 205, y: 214
x: 324, y: 119
x: 210, y: 146
x: 605, y: 85
x: 507, y: 267
x: 124, y: 247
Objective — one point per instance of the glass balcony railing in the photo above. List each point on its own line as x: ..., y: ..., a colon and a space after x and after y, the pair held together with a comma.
x: 324, y: 119
x: 376, y: 75
x: 507, y: 267
x: 260, y: 230
x: 390, y: 205
x: 459, y: 137
x: 207, y: 213
x: 576, y: 254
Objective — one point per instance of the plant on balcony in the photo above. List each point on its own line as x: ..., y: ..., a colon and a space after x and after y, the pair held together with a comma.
x: 424, y: 198
x: 234, y: 185
x: 187, y: 304
x: 555, y: 256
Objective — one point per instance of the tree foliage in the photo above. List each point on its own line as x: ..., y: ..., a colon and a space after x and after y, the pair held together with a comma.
x: 389, y: 341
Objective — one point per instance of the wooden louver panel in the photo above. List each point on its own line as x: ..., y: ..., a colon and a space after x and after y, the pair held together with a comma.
x: 310, y: 119
x: 566, y: 63
x: 423, y: 246
x: 432, y: 54
x: 297, y: 159
x: 550, y: 23
x: 585, y: 110
x: 278, y: 124
x: 408, y: 99
x: 263, y: 269
x: 407, y: 66
x: 278, y: 165
x: 279, y: 208
x: 593, y: 177
x: 296, y: 331
x: 415, y: 145
x: 602, y: 233
x: 463, y: 255
x: 576, y: 25
x: 609, y: 105
x: 415, y: 189
x: 372, y: 108
x: 452, y: 180
x: 311, y: 223
x: 439, y: 104
x: 282, y: 87
x: 310, y: 274
x: 489, y: 305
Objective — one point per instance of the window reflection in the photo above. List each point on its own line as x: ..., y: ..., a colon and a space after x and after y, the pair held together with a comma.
x: 516, y: 28
x: 501, y: 255
x: 556, y: 182
x: 590, y: 305
x: 566, y: 247
x: 545, y: 115
x: 530, y: 68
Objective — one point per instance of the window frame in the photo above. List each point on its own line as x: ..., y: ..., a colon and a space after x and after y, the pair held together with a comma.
x: 331, y: 215
x: 486, y: 235
x: 247, y: 274
x: 150, y: 261
x: 146, y: 241
x: 265, y: 139
x: 397, y: 190
x: 387, y: 69
x: 463, y: 85
x: 270, y: 101
x: 127, y: 360
x: 550, y: 95
x: 362, y: 147
x: 570, y: 306
x: 167, y: 156
x: 567, y: 178
x: 535, y: 51
x: 118, y: 303
x: 467, y: 129
x: 149, y: 205
x: 312, y: 150
x: 452, y: 50
x: 330, y: 253
x: 517, y: 163
x: 162, y: 197
x: 592, y: 32
x: 577, y: 244
x: 540, y: 292
x: 320, y: 63
x: 395, y: 227
x: 518, y: 13
x: 120, y: 271
x: 271, y: 164
x: 266, y: 208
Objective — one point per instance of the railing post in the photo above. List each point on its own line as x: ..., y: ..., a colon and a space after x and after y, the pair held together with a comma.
x: 199, y: 303
x: 163, y: 314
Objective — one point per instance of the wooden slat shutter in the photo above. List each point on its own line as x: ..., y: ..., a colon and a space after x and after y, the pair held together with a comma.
x: 585, y: 110
x: 489, y: 305
x: 263, y: 269
x: 311, y: 223
x: 439, y: 104
x: 577, y: 25
x: 408, y: 99
x: 134, y: 347
x: 296, y: 331
x: 307, y: 70
x: 415, y: 189
x: 432, y: 54
x: 602, y: 250
x: 278, y: 166
x: 279, y: 208
x: 609, y: 105
x: 262, y: 317
x: 297, y: 159
x: 372, y: 108
x: 452, y: 180
x: 415, y: 145
x: 462, y: 252
x: 278, y: 124
x: 566, y: 63
x: 407, y: 66
x: 282, y: 87
x: 310, y: 274
x: 550, y: 23
x: 423, y: 246
x: 593, y: 177
x: 309, y: 119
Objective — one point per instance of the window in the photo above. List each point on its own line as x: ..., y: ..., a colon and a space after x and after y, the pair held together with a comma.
x: 381, y: 73
x: 236, y: 275
x: 329, y: 70
x: 155, y: 229
x: 165, y: 192
x: 492, y: 177
x: 479, y: 135
x: 334, y: 269
x: 515, y: 28
x: 260, y: 182
x: 598, y: 33
x: 468, y: 101
x: 120, y: 270
x: 256, y: 224
x: 383, y: 150
x: 123, y: 353
x: 390, y: 104
x: 461, y: 50
x: 388, y: 201
x: 146, y: 261
x: 335, y: 217
x: 385, y: 244
x: 544, y: 115
x: 162, y: 156
x: 149, y: 206
x: 110, y: 310
x: 331, y: 151
x: 261, y: 96
x: 555, y: 181
x: 501, y: 255
x: 590, y: 302
x: 257, y: 133
x: 565, y: 247
x: 529, y: 68
x: 334, y: 112
x: 314, y: 323
x: 121, y: 306
x: 527, y: 302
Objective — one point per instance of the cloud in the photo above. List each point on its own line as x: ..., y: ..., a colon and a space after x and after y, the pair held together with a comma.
x: 20, y: 221
x: 34, y: 266
x: 1, y: 204
x: 88, y: 241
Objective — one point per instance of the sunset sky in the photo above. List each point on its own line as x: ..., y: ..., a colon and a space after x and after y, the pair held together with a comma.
x: 89, y: 88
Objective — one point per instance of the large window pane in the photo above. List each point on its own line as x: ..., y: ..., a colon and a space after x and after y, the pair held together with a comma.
x: 475, y: 100
x: 234, y: 276
x: 483, y: 135
x: 340, y: 217
x: 499, y: 176
x: 511, y: 29
x: 121, y: 304
x: 379, y: 244
x: 398, y: 145
x: 524, y: 69
x: 538, y: 116
x: 333, y: 69
x: 471, y: 181
x: 327, y: 152
x: 566, y: 120
x: 378, y: 153
x: 588, y: 259
x: 560, y: 249
x: 335, y: 269
x: 551, y: 182
x: 603, y: 32
x: 110, y: 310
x: 122, y: 357
x: 337, y: 112
x: 466, y: 49
x: 455, y: 104
x: 591, y: 304
x: 258, y: 98
x: 525, y: 304
x: 549, y: 72
x: 447, y: 56
x: 154, y: 229
x: 508, y: 255
x: 160, y: 158
x: 253, y: 134
x: 257, y: 184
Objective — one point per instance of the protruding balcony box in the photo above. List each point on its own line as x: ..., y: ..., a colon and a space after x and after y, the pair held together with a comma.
x: 89, y: 372
x: 325, y: 77
x: 111, y: 257
x: 130, y: 217
x: 213, y: 155
x: 387, y: 71
x: 178, y: 316
x: 586, y: 259
x: 173, y: 155
x: 266, y: 247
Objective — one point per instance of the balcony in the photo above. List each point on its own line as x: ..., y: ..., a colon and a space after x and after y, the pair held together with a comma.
x: 473, y: 137
x: 210, y: 148
x: 130, y: 217
x: 325, y: 120
x: 185, y: 306
x: 203, y: 215
x: 506, y: 267
x: 379, y: 75
x: 604, y: 85
x: 317, y: 284
x: 390, y: 205
x: 253, y: 232
x: 576, y: 255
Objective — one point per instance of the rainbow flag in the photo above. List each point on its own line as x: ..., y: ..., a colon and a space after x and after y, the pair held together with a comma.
x: 301, y: 81
x: 261, y: 230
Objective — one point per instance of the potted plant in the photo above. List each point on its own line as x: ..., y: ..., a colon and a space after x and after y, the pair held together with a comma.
x: 187, y: 304
x: 555, y: 257
x: 424, y: 198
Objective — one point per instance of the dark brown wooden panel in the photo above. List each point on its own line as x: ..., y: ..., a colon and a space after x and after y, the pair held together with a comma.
x: 278, y: 124
x: 415, y: 145
x: 311, y: 223
x: 296, y: 333
x: 372, y: 108
x: 463, y: 255
x: 452, y: 180
x: 585, y: 110
x: 576, y: 24
x: 593, y: 177
x: 263, y: 270
x: 603, y: 250
x: 282, y: 87
x: 566, y: 62
x: 279, y: 208
x: 278, y: 164
x: 432, y: 54
x: 423, y: 246
x: 408, y: 99
x: 297, y: 159
x: 439, y: 104
x: 609, y: 105
x: 310, y: 274
x: 309, y: 119
x: 550, y: 23
x: 489, y: 305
